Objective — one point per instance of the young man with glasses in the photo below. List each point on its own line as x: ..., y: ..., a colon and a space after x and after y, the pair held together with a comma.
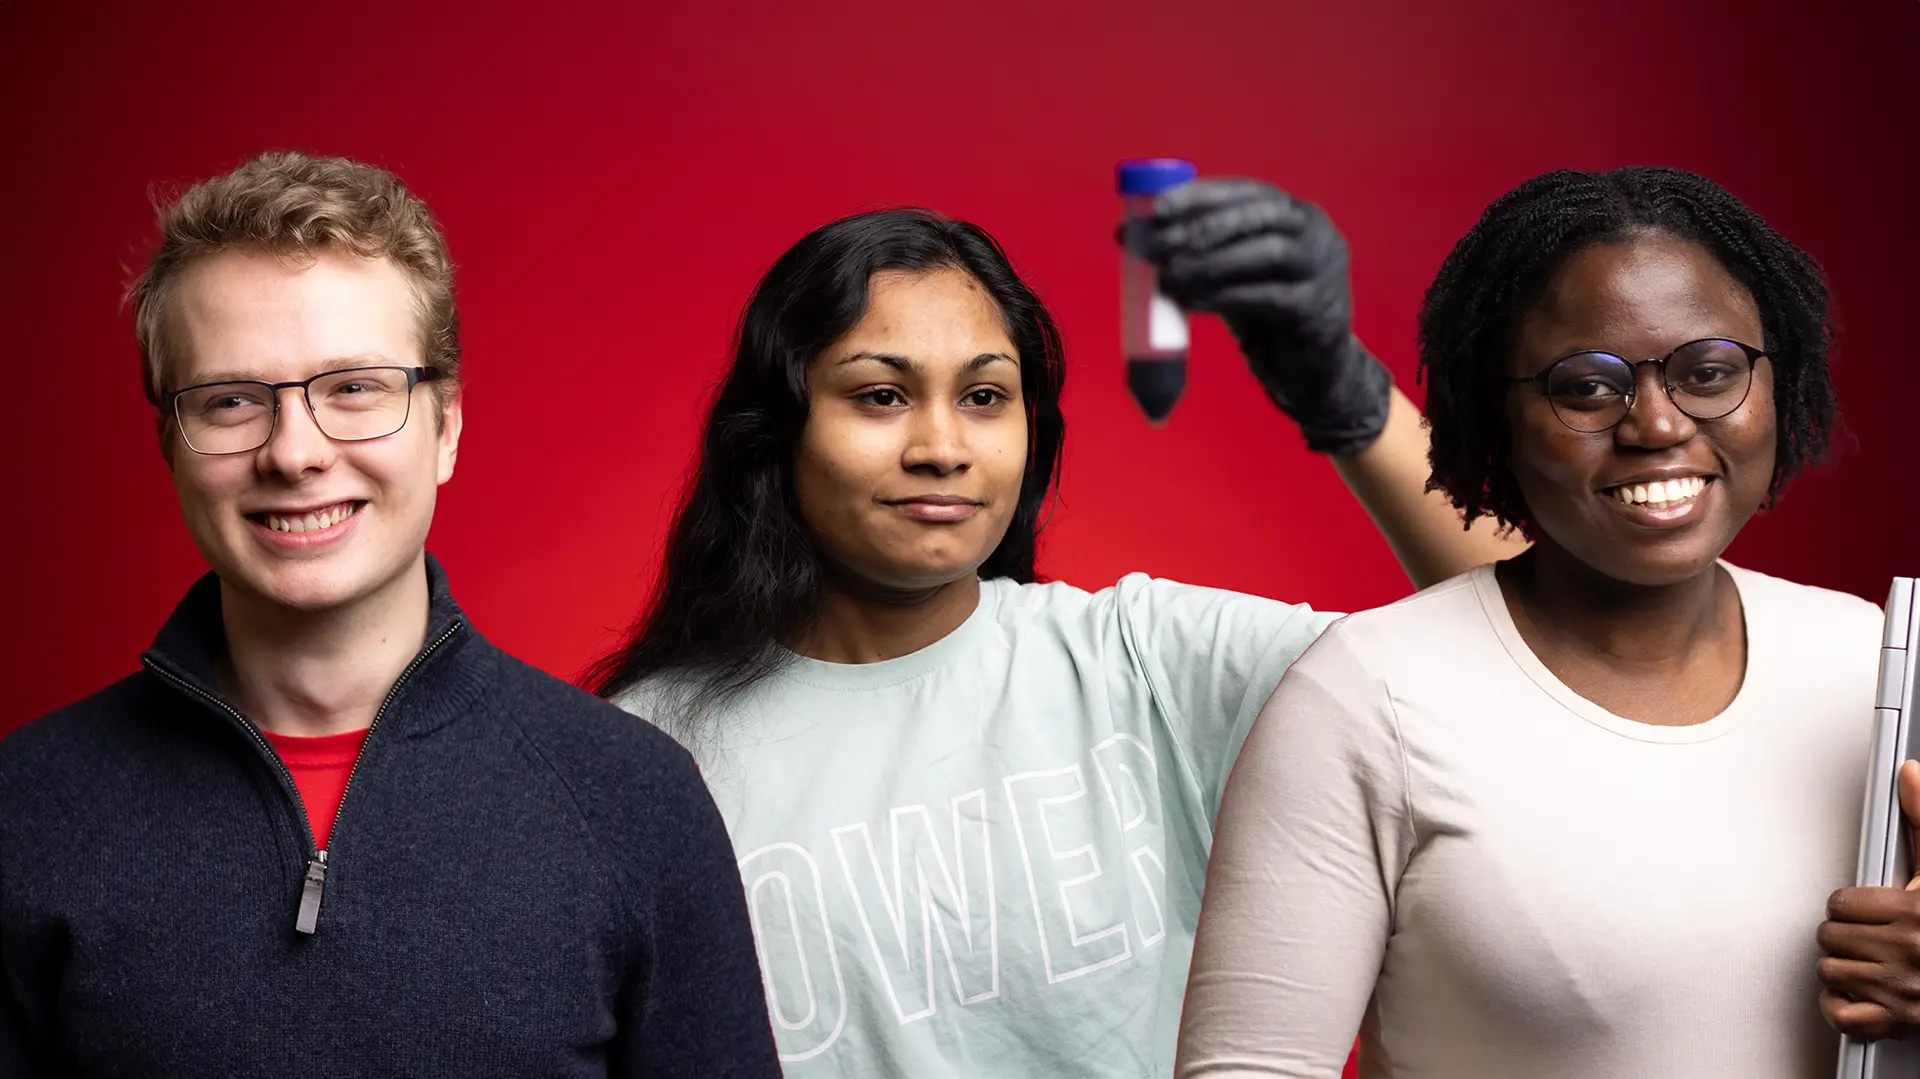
x: 327, y: 826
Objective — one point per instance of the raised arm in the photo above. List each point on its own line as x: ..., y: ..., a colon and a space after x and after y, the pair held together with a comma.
x: 1274, y: 268
x: 1389, y: 477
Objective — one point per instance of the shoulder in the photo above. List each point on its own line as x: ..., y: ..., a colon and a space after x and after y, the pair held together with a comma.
x: 1438, y: 612
x: 68, y: 768
x: 1142, y: 599
x: 1427, y: 639
x: 639, y: 797
x: 600, y: 751
x: 1813, y: 614
x: 115, y: 721
x: 638, y: 793
x: 1048, y: 600
x: 1150, y: 624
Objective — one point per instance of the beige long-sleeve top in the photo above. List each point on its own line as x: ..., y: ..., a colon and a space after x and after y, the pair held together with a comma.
x: 1430, y: 839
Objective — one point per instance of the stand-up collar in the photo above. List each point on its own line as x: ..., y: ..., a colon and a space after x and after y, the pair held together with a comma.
x: 442, y: 680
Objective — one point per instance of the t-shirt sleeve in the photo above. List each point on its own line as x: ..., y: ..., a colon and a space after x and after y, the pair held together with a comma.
x: 1211, y: 658
x: 1313, y: 835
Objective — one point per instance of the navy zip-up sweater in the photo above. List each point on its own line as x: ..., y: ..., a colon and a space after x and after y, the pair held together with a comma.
x: 522, y: 881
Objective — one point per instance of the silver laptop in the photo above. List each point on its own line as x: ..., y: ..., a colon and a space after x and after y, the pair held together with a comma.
x: 1886, y: 842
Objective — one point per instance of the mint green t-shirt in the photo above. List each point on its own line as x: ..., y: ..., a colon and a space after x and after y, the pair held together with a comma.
x: 984, y: 859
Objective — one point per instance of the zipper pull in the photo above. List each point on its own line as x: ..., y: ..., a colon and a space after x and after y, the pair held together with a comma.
x: 310, y: 893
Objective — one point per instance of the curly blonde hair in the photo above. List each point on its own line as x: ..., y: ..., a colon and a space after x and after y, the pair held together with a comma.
x: 294, y: 205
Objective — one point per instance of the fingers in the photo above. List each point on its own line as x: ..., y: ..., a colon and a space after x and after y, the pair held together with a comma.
x: 1867, y: 943
x: 1877, y: 983
x: 1218, y: 228
x: 1871, y: 968
x: 1856, y: 1018
x: 1203, y: 196
x: 1889, y: 992
x: 1254, y: 298
x: 1909, y: 784
x: 1264, y: 257
x: 1872, y: 961
x: 1871, y: 906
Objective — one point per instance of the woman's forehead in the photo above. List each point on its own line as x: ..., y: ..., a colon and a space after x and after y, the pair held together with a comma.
x: 1638, y: 298
x: 941, y: 320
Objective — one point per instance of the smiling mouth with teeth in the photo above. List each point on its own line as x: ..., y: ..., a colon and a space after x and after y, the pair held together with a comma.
x: 1659, y: 492
x: 316, y: 521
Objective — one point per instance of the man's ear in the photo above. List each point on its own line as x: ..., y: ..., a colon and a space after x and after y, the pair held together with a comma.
x: 163, y: 429
x: 452, y: 414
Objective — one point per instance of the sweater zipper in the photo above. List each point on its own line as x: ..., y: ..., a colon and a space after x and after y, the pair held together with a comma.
x: 314, y: 886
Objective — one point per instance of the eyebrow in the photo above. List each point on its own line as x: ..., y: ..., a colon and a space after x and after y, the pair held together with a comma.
x: 338, y: 363
x: 906, y: 364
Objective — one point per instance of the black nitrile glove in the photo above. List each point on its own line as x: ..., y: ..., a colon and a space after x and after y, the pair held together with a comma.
x: 1274, y: 269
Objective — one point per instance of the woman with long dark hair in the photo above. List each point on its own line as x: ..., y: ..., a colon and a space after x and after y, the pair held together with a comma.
x: 973, y: 811
x: 1576, y: 814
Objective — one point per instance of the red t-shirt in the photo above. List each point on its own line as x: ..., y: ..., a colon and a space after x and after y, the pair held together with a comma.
x: 320, y: 768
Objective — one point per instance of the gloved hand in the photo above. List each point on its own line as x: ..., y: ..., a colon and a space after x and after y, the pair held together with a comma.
x: 1273, y: 268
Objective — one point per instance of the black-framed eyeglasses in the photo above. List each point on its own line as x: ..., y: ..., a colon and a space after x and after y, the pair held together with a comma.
x: 353, y: 404
x: 1593, y: 391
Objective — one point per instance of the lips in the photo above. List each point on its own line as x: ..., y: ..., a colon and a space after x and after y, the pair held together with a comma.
x: 936, y: 509
x: 1660, y: 503
x: 296, y: 521
x: 1660, y: 491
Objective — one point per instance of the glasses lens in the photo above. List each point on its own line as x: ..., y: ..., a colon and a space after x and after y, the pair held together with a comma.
x: 367, y: 402
x: 225, y: 417
x: 1590, y: 391
x: 1709, y: 378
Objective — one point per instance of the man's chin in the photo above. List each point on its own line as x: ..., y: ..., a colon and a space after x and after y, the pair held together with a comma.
x: 305, y: 597
x: 309, y: 589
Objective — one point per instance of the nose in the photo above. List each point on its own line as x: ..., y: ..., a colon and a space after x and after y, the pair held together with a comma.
x: 1654, y: 421
x: 936, y: 441
x: 297, y: 445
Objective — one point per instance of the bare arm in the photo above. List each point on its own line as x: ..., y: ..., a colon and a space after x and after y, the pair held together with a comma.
x: 1274, y: 268
x: 1389, y: 478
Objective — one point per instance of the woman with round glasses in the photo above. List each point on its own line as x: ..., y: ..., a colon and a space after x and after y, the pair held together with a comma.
x: 1577, y: 813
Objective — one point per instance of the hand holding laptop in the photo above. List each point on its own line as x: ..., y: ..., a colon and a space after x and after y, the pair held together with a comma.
x: 1871, y: 969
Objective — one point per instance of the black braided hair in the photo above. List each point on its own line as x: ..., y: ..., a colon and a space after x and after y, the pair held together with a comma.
x: 1497, y: 271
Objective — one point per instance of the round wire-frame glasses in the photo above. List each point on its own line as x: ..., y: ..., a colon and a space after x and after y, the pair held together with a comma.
x: 1593, y: 391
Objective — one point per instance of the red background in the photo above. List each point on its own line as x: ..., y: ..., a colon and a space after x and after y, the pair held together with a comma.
x: 613, y: 177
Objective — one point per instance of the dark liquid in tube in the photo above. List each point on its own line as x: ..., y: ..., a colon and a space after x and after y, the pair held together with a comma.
x: 1156, y: 383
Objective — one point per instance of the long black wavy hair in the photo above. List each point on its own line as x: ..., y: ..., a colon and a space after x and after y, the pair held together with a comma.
x: 741, y: 571
x: 1496, y: 273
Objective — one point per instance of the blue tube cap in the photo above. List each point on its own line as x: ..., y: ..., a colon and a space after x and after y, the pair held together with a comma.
x: 1152, y: 175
